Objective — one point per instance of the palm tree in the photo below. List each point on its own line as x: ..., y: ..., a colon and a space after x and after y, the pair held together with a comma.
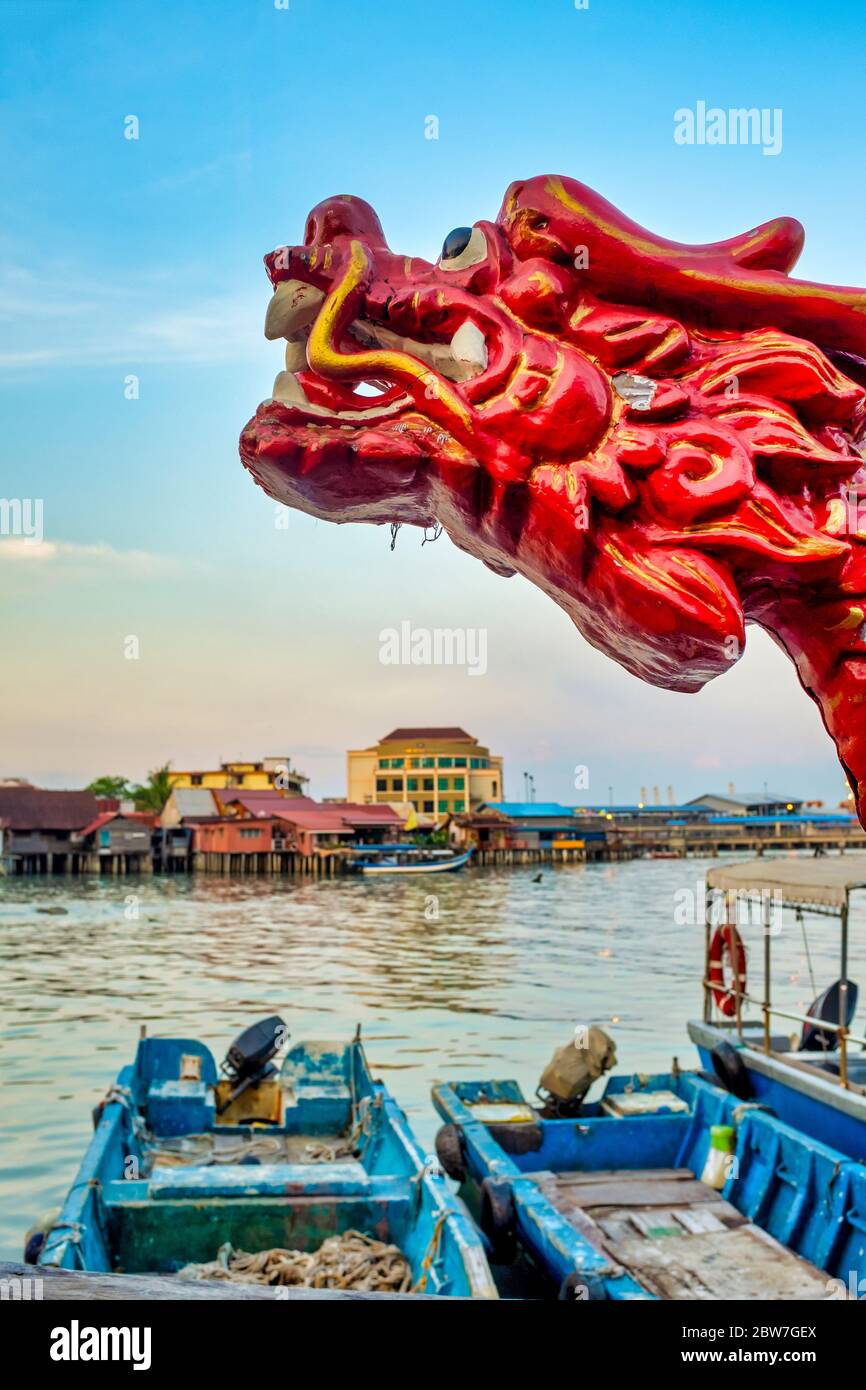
x: 154, y: 793
x: 116, y: 787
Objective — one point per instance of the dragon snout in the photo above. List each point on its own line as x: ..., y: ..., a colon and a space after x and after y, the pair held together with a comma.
x: 343, y: 216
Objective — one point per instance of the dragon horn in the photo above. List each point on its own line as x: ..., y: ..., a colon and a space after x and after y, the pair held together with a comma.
x: 736, y: 284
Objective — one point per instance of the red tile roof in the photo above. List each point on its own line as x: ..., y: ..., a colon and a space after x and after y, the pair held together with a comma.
x: 453, y: 735
x: 337, y: 815
x: 320, y: 819
x: 31, y: 808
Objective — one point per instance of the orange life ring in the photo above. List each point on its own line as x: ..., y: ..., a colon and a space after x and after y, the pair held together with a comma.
x: 727, y: 943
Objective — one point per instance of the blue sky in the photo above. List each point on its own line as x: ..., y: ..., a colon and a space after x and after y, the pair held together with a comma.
x: 121, y: 257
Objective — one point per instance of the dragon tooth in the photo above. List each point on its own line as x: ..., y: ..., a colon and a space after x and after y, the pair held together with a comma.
x: 468, y: 346
x: 287, y: 388
x: 440, y: 356
x: 293, y: 306
x: 296, y: 354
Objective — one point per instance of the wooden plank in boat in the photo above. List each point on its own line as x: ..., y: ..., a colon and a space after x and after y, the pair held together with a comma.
x: 605, y: 1174
x: 632, y: 1190
x: 680, y: 1248
x: 741, y: 1264
x: 700, y: 1220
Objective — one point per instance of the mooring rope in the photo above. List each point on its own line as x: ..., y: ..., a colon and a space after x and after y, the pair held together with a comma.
x: 431, y: 1252
x: 348, y: 1261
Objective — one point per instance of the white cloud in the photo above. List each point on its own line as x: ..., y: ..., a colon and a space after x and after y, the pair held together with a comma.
x: 99, y: 556
x: 66, y: 319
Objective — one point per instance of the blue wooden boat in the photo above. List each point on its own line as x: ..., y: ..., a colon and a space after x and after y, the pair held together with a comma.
x: 610, y: 1205
x: 813, y: 1076
x: 744, y: 1180
x: 184, y: 1161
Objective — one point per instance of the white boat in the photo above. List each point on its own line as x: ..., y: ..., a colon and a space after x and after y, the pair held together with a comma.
x: 390, y: 864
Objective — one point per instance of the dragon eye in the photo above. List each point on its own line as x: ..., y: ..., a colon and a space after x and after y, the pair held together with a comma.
x: 455, y: 242
x: 463, y: 247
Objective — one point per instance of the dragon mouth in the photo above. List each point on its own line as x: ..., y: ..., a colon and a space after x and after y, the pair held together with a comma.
x: 347, y: 369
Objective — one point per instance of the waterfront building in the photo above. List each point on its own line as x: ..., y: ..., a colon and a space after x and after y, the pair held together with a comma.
x: 486, y: 829
x: 41, y: 826
x: 120, y: 840
x: 300, y: 826
x: 746, y: 803
x: 537, y: 824
x: 270, y: 773
x: 440, y: 772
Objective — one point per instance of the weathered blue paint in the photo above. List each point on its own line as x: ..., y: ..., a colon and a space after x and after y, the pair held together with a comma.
x: 117, y: 1214
x: 808, y: 1195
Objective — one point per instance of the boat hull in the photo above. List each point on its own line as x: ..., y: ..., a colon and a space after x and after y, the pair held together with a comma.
x: 444, y: 866
x: 815, y: 1104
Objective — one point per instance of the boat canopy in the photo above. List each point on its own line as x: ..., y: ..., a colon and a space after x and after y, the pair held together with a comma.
x: 800, y: 882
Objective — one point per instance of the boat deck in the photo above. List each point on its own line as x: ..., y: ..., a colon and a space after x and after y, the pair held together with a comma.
x: 255, y: 1146
x: 679, y: 1238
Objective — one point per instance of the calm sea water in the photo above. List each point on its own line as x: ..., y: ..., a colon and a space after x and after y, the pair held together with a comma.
x: 487, y: 990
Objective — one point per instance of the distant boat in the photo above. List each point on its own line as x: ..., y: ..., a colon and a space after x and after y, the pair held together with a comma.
x: 412, y: 862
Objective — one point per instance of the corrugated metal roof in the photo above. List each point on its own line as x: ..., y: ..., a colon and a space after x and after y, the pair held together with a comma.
x: 789, y: 818
x: 747, y: 799
x: 31, y: 808
x: 194, y: 801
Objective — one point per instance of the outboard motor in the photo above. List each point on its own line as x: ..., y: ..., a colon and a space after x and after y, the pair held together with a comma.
x: 572, y: 1070
x: 248, y: 1060
x: 825, y: 1009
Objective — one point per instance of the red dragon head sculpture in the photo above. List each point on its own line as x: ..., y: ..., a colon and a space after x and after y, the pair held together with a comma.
x: 664, y: 438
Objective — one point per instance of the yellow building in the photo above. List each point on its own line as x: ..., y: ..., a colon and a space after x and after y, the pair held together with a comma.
x: 247, y: 776
x: 439, y: 771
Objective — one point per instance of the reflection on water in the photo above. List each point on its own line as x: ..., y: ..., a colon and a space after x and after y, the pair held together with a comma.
x: 487, y: 990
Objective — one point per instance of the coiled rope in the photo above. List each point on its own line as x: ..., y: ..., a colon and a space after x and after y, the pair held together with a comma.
x: 351, y: 1260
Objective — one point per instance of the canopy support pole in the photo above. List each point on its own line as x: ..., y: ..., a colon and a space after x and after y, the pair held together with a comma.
x: 765, y: 919
x: 708, y: 909
x: 843, y: 999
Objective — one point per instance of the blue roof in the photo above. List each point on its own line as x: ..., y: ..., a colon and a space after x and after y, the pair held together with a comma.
x: 630, y: 808
x: 525, y: 809
x: 810, y: 816
x: 545, y: 810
